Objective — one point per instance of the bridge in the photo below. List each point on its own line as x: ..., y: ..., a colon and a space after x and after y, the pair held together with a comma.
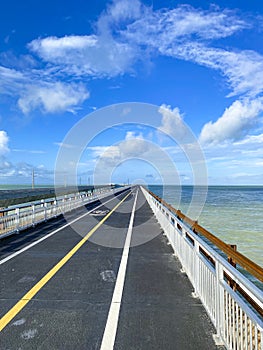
x: 121, y: 269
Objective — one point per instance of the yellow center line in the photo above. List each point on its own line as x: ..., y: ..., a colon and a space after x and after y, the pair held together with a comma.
x: 34, y: 290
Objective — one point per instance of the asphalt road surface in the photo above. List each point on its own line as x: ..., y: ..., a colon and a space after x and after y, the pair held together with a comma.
x: 108, y: 280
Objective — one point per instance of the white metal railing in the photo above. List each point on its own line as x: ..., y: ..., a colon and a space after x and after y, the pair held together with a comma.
x: 238, y: 324
x: 22, y: 216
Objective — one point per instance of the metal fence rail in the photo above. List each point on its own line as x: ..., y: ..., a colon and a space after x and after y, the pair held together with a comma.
x: 233, y: 302
x: 17, y: 218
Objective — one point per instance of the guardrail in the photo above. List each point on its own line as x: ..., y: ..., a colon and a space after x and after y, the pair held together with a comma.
x: 233, y: 302
x: 20, y: 217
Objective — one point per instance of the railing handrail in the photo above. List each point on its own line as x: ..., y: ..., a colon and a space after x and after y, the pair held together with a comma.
x: 19, y: 217
x: 54, y: 197
x: 247, y: 264
x: 233, y: 302
x: 41, y: 201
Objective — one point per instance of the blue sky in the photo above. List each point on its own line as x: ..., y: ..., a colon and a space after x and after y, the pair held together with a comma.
x: 201, y: 63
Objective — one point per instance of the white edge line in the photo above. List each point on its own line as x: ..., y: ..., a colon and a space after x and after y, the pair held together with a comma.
x: 9, y: 257
x: 110, y: 331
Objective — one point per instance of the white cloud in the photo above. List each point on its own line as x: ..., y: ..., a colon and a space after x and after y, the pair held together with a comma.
x: 135, y: 148
x: 251, y: 139
x: 228, y: 158
x: 52, y: 97
x: 186, y: 33
x: 6, y: 168
x: 177, y: 130
x: 53, y: 47
x: 164, y: 27
x: 119, y: 12
x: 22, y: 169
x: 12, y: 74
x: 243, y: 69
x: 235, y: 122
x: 86, y: 55
x: 172, y: 122
x: 28, y: 151
x: 126, y: 29
x: 104, y: 53
x: 38, y: 90
x: 3, y: 142
x: 125, y: 33
x: 64, y: 145
x: 97, y: 151
x: 132, y: 146
x: 11, y: 81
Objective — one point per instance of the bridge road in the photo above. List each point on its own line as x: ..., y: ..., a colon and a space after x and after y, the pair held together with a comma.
x: 71, y: 307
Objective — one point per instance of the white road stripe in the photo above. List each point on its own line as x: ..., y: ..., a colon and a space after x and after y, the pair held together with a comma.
x: 9, y: 257
x: 113, y: 316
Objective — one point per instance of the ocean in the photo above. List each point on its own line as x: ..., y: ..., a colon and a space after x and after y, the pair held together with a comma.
x: 232, y: 213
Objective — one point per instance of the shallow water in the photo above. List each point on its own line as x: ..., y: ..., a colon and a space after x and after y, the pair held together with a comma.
x: 232, y: 213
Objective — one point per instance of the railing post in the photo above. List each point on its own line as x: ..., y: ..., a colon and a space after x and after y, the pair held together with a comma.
x: 219, y: 297
x: 232, y: 262
x: 56, y: 208
x: 2, y: 223
x: 33, y: 214
x: 17, y: 219
x: 196, y: 276
x: 45, y: 211
x: 64, y: 204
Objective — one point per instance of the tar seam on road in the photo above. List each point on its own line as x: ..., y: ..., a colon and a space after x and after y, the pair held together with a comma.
x: 52, y: 233
x: 33, y: 291
x: 113, y: 316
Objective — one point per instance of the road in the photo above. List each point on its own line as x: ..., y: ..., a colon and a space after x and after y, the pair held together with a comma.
x: 107, y: 280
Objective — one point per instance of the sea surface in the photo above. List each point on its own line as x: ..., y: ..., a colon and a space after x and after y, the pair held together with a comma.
x: 232, y: 213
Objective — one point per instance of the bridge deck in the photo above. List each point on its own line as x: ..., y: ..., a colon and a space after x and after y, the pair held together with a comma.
x: 70, y: 307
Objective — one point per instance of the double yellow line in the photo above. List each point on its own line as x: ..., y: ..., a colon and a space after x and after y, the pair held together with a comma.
x: 33, y: 291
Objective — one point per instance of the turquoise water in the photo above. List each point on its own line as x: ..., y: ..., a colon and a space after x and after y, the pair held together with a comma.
x: 232, y: 213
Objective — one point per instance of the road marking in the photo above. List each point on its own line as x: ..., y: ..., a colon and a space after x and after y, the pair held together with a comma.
x: 34, y: 290
x: 9, y: 257
x: 110, y: 331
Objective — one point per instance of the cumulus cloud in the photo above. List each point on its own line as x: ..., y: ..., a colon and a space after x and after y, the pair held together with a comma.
x: 133, y: 149
x: 119, y: 12
x: 4, y: 139
x: 52, y: 47
x: 85, y: 55
x: 23, y: 170
x: 52, y: 97
x: 6, y: 168
x: 251, y: 140
x: 235, y: 122
x: 132, y: 146
x: 172, y: 122
x: 35, y: 91
x: 102, y: 54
